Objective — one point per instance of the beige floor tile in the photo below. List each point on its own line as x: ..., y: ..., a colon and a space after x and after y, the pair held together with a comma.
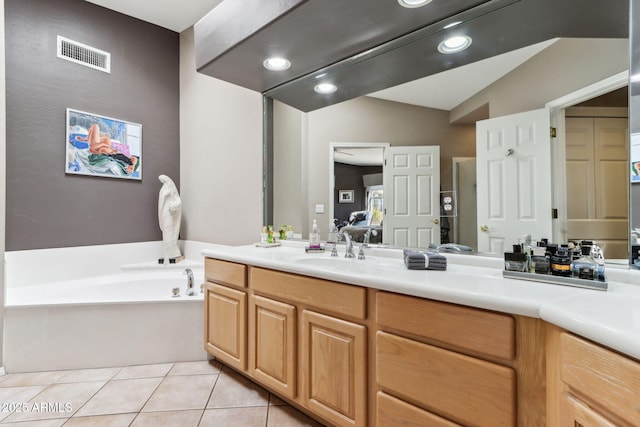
x: 275, y: 400
x: 168, y: 419
x: 57, y: 401
x: 120, y: 397
x: 287, y: 416
x: 41, y: 423
x: 144, y: 371
x: 88, y: 375
x: 12, y: 398
x: 33, y: 378
x: 196, y: 368
x: 181, y: 393
x: 245, y: 417
x: 118, y: 420
x: 234, y: 390
x: 4, y: 377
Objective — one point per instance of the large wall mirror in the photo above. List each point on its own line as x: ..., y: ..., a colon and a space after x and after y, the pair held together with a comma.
x: 582, y: 84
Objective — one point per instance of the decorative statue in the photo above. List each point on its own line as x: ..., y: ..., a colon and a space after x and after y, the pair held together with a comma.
x: 169, y: 215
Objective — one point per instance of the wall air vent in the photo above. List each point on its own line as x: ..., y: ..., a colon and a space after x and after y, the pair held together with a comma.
x: 83, y: 54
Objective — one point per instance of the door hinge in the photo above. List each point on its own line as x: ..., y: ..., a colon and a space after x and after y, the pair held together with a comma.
x: 554, y: 213
x: 553, y: 132
x: 385, y: 211
x: 385, y: 162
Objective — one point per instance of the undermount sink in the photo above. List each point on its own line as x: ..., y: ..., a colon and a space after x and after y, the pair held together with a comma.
x: 340, y: 263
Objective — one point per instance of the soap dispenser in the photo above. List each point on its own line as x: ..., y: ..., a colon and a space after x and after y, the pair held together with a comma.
x: 314, y: 236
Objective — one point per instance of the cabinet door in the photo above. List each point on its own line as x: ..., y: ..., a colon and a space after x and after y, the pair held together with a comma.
x: 272, y: 337
x: 334, y: 369
x: 226, y: 325
x: 576, y: 414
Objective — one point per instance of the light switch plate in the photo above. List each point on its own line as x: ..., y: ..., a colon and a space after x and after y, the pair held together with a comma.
x: 319, y: 209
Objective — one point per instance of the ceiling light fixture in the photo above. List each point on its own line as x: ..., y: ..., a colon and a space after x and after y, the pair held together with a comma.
x: 413, y: 3
x: 325, y: 88
x: 453, y: 24
x: 276, y: 64
x: 454, y: 44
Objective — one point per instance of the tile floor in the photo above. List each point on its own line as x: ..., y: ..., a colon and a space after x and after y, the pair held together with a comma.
x: 172, y: 394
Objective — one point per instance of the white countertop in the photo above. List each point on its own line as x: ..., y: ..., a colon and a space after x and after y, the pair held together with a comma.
x: 611, y: 318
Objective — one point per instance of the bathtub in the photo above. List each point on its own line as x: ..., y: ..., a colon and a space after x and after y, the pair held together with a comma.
x: 121, y: 319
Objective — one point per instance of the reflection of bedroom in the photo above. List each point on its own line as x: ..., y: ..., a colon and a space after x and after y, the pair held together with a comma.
x: 365, y: 211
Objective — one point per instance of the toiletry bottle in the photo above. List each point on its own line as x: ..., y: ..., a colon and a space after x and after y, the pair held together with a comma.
x: 598, y: 257
x: 539, y: 260
x: 516, y: 260
x: 263, y: 236
x: 585, y: 267
x: 314, y: 236
x: 561, y: 262
x: 332, y: 238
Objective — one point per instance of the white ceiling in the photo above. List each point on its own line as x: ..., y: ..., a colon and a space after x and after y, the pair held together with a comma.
x: 443, y: 91
x: 171, y: 14
x: 450, y: 88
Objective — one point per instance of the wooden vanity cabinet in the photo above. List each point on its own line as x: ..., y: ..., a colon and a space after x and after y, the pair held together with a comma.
x: 318, y: 326
x: 226, y: 304
x: 589, y: 385
x: 334, y: 364
x: 352, y: 356
x: 444, y: 364
x: 273, y: 350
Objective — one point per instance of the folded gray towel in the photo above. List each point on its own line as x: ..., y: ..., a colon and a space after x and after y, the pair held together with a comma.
x: 415, y: 260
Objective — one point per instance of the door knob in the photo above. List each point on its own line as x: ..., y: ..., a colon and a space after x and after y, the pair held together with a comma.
x: 436, y: 221
x: 509, y: 152
x: 484, y: 228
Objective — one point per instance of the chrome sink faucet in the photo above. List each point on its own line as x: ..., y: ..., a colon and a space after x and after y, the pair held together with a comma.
x: 349, y: 253
x: 367, y: 236
x: 190, y: 289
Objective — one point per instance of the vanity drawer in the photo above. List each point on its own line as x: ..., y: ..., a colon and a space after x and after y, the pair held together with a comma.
x: 225, y: 272
x: 458, y: 387
x: 479, y: 331
x: 604, y: 378
x: 394, y: 412
x: 325, y: 295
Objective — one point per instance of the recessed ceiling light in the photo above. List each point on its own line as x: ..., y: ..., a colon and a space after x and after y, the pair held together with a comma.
x: 325, y: 88
x: 276, y: 64
x: 454, y: 44
x: 453, y: 24
x: 413, y: 3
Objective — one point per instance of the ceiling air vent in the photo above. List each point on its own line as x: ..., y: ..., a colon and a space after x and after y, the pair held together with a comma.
x: 84, y: 55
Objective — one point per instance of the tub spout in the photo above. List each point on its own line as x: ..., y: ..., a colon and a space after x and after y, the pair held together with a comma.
x: 190, y: 289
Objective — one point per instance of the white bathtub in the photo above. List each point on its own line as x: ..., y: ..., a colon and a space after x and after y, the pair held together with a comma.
x: 128, y: 318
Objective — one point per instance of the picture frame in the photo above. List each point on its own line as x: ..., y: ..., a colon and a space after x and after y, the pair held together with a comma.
x: 345, y: 196
x: 102, y: 146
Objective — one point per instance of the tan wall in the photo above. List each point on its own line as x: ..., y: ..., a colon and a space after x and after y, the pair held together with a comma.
x: 564, y: 67
x: 363, y: 120
x: 221, y: 156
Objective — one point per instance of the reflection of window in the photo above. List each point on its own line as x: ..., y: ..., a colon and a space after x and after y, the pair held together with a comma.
x: 375, y: 204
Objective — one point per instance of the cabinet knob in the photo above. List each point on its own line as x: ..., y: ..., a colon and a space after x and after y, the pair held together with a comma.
x: 509, y: 152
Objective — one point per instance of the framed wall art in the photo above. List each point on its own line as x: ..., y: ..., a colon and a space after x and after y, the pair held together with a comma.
x: 103, y: 146
x: 345, y: 196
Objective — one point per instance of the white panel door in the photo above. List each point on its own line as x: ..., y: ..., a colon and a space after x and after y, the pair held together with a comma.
x: 412, y: 196
x: 514, y: 179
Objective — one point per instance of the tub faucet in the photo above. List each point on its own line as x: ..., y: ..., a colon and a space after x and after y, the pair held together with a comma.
x: 190, y: 289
